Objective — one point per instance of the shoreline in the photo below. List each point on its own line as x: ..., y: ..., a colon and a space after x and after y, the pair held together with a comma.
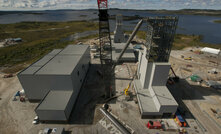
x: 38, y: 38
x: 217, y: 21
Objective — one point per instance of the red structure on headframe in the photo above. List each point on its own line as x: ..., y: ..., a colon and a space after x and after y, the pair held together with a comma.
x: 102, y: 4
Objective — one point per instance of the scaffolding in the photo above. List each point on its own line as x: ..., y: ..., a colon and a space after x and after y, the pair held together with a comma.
x: 160, y: 36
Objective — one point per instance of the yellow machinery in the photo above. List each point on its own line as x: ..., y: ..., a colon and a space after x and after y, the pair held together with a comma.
x: 190, y: 58
x: 126, y: 90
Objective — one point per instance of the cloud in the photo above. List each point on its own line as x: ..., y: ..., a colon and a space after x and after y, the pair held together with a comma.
x: 187, y: 4
x: 135, y: 4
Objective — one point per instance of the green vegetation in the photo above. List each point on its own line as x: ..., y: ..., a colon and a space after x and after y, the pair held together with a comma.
x: 203, y: 12
x: 217, y: 21
x: 126, y: 18
x: 141, y: 34
x: 181, y: 41
x: 41, y: 37
x: 38, y: 39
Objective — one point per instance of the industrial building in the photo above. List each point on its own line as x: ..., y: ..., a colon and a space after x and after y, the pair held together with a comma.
x: 55, y: 80
x: 119, y: 36
x: 56, y: 106
x: 154, y: 98
x: 67, y: 92
x: 210, y: 50
x: 118, y: 41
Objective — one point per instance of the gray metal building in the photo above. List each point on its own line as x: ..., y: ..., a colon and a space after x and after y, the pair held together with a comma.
x: 55, y: 80
x: 59, y: 70
x: 56, y: 106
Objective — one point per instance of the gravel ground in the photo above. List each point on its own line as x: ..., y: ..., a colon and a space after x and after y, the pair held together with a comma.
x: 16, y: 117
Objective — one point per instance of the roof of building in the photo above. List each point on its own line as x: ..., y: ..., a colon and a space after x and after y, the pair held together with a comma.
x: 145, y: 100
x: 164, y: 96
x: 43, y: 60
x: 30, y: 70
x: 57, y: 62
x: 54, y: 52
x: 74, y: 49
x: 56, y: 100
x: 60, y: 65
x: 210, y: 50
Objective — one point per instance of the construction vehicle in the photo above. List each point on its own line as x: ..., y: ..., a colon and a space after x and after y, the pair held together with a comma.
x: 189, y: 58
x: 154, y: 125
x: 126, y: 90
x: 126, y: 93
x: 179, y: 120
x: 8, y: 76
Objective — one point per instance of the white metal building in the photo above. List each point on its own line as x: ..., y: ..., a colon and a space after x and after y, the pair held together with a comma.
x: 210, y: 50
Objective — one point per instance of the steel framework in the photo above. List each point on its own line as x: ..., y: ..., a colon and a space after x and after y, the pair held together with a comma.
x: 105, y: 45
x: 104, y: 33
x: 160, y: 36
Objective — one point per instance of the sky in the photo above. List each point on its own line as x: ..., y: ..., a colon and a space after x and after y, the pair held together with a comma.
x: 123, y: 4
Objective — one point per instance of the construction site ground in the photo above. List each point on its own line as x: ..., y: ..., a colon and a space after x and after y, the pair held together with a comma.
x: 195, y: 100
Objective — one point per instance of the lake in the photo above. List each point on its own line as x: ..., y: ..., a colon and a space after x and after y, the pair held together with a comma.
x: 188, y: 24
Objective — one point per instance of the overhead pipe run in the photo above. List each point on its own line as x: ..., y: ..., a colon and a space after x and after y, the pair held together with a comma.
x: 128, y: 42
x: 116, y: 123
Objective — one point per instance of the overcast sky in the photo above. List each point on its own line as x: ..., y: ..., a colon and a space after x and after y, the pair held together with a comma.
x: 125, y: 4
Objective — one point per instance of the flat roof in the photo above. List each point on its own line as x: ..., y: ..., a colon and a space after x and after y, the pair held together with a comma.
x: 43, y: 60
x: 164, y: 96
x: 30, y: 70
x: 57, y: 62
x: 210, y: 50
x: 74, y: 49
x: 60, y: 65
x: 54, y: 52
x: 56, y: 100
x: 145, y: 100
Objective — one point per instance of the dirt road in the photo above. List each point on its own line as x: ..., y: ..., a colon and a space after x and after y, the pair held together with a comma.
x: 13, y: 113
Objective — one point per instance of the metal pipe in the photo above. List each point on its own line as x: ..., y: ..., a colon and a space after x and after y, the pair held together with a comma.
x: 116, y: 123
x: 128, y: 42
